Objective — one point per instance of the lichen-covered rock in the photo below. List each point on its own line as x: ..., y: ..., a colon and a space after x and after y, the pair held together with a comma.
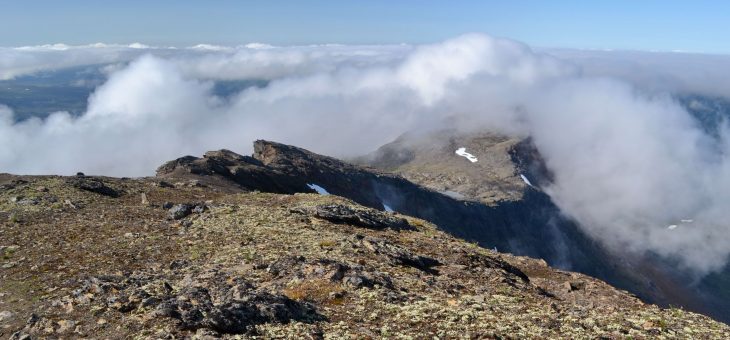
x: 363, y: 217
x: 400, y: 256
x: 179, y: 211
x: 214, y: 300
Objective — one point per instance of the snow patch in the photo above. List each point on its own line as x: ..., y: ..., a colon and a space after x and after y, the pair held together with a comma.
x: 527, y: 181
x: 387, y: 208
x: 687, y: 221
x: 672, y: 227
x: 320, y: 190
x: 462, y: 152
x: 453, y: 194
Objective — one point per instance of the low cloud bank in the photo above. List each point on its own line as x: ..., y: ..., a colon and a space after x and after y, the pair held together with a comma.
x: 629, y: 161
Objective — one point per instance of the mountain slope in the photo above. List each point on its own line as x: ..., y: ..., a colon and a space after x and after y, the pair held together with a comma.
x: 525, y: 222
x: 509, y: 174
x: 101, y: 257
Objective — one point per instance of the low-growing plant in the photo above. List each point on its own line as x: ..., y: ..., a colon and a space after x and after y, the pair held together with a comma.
x: 327, y: 243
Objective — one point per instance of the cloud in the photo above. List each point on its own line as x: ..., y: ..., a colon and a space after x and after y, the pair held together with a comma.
x: 655, y: 71
x: 254, y: 60
x: 26, y: 60
x: 628, y: 158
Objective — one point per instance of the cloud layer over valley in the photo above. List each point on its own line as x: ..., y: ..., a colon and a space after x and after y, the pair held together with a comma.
x: 628, y: 159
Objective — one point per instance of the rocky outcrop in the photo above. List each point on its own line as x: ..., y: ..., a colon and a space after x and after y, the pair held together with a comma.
x: 92, y: 184
x: 366, y: 218
x: 210, y: 300
x: 225, y: 169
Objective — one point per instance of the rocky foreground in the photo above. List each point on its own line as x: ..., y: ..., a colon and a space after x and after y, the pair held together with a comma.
x: 176, y: 257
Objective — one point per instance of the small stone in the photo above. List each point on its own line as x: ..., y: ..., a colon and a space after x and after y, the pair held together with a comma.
x: 163, y: 184
x: 20, y: 336
x: 144, y: 199
x: 32, y: 319
x: 70, y: 204
x: 195, y: 184
x: 167, y: 205
x: 5, y: 315
x: 28, y: 201
x: 179, y: 211
x: 571, y: 286
x: 479, y: 298
x: 199, y: 209
x: 80, y: 174
x: 65, y: 325
x: 41, y: 189
x: 101, y: 321
x: 336, y: 295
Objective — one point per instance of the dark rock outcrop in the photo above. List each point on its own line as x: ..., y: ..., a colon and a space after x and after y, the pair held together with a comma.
x: 94, y: 185
x: 399, y: 256
x: 341, y: 214
x: 228, y: 168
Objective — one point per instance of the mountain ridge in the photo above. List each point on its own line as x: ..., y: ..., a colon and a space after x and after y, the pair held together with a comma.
x: 202, y: 250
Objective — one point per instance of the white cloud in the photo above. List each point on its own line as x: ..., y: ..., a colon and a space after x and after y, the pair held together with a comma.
x: 628, y: 159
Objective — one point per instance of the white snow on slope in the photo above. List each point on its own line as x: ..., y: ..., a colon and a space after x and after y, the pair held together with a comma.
x: 453, y: 194
x: 320, y: 190
x: 527, y: 181
x: 387, y: 208
x: 462, y: 152
x: 672, y: 227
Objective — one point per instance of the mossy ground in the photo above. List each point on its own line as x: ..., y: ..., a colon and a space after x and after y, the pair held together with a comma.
x: 51, y: 247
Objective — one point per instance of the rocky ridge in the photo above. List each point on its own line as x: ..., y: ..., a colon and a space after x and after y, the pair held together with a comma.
x: 241, y: 262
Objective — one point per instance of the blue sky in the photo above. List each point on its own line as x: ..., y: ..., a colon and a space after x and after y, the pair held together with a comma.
x: 697, y: 26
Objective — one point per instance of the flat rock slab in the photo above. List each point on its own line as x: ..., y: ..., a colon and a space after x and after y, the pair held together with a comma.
x: 365, y: 218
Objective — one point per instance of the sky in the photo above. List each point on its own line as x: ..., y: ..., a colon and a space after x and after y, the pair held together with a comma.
x: 693, y: 26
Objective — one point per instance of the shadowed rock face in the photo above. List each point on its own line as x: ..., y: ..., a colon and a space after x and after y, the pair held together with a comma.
x: 524, y: 221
